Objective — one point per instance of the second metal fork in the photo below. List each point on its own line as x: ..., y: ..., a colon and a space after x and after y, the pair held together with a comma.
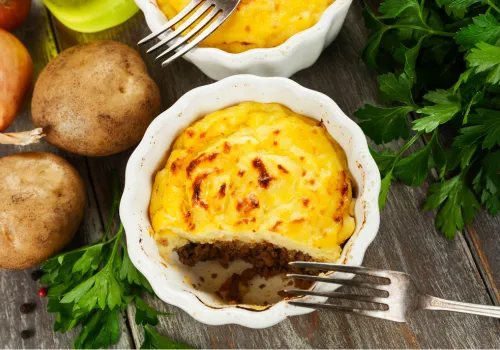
x: 213, y: 10
x: 402, y: 294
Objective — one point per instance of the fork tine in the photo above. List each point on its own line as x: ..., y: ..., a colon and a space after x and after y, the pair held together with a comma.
x: 341, y: 308
x: 338, y: 281
x: 336, y: 295
x: 187, y: 10
x: 209, y: 30
x: 192, y: 33
x: 342, y: 268
x: 193, y: 18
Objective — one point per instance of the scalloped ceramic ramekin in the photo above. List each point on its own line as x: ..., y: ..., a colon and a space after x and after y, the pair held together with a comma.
x: 298, y: 52
x: 169, y: 280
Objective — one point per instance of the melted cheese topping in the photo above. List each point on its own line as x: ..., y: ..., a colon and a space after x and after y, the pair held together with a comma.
x: 255, y: 172
x: 258, y: 23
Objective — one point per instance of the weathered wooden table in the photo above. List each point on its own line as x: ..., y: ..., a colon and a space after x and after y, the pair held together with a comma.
x: 465, y: 269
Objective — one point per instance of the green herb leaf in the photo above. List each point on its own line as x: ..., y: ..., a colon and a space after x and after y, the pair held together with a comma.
x: 411, y: 56
x: 413, y: 169
x: 441, y: 60
x: 57, y: 270
x: 153, y: 340
x: 101, y: 289
x: 486, y: 28
x: 396, y: 89
x: 109, y: 333
x: 384, y: 124
x: 66, y: 318
x: 442, y: 97
x: 371, y: 21
x: 90, y: 285
x: 487, y: 182
x: 462, y: 79
x: 414, y: 23
x: 457, y: 7
x: 439, y: 159
x: 466, y: 155
x: 85, y: 338
x: 486, y: 58
x: 485, y: 130
x: 101, y: 330
x: 89, y: 260
x: 457, y: 204
x: 385, y: 161
x: 447, y: 105
x: 145, y: 314
x: 384, y: 189
x: 371, y: 50
x: 478, y: 97
x: 129, y: 273
x: 394, y: 8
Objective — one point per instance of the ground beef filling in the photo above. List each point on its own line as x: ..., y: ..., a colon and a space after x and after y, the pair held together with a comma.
x: 267, y: 260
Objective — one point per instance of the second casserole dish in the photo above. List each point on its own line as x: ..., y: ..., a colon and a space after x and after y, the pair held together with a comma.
x: 281, y: 40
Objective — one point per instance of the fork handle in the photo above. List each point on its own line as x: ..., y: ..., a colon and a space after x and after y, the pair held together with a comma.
x: 433, y: 303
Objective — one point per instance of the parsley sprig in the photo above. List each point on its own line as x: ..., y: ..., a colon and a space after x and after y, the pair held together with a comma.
x: 91, y: 285
x: 440, y: 78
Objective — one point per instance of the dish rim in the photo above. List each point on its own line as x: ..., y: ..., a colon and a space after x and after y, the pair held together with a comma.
x: 353, y: 251
x: 258, y: 58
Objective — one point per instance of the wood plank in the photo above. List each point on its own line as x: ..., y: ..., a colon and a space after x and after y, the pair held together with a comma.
x: 17, y: 287
x: 407, y: 240
x: 484, y: 236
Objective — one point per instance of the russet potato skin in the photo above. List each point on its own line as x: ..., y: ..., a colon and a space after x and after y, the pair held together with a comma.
x: 42, y: 199
x: 95, y: 99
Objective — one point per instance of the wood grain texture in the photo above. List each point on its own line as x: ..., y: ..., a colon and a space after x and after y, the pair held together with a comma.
x: 17, y: 286
x: 407, y: 240
x: 484, y: 238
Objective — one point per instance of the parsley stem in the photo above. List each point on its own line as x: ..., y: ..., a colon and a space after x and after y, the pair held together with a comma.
x: 429, y: 30
x: 408, y: 144
x: 118, y: 240
x: 81, y: 249
x: 420, y: 15
x: 404, y: 149
x: 493, y: 6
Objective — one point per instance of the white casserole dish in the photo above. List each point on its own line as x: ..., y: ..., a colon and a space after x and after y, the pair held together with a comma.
x: 169, y: 279
x: 298, y: 52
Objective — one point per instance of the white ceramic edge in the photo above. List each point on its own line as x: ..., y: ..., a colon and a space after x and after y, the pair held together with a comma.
x: 139, y: 183
x: 297, y: 53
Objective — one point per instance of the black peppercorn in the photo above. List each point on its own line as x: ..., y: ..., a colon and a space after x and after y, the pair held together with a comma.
x: 27, y: 333
x: 36, y: 275
x: 27, y: 308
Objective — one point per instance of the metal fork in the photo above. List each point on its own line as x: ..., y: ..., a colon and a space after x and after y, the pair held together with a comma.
x: 221, y: 9
x: 402, y: 294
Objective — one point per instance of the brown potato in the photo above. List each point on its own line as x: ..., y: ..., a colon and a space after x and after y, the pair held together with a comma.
x: 42, y: 198
x: 95, y: 99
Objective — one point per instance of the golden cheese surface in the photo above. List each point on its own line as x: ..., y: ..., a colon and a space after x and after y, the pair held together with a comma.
x: 258, y: 23
x: 255, y: 172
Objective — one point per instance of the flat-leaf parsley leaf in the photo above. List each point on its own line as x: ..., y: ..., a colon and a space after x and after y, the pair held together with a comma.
x: 439, y: 65
x: 90, y: 286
